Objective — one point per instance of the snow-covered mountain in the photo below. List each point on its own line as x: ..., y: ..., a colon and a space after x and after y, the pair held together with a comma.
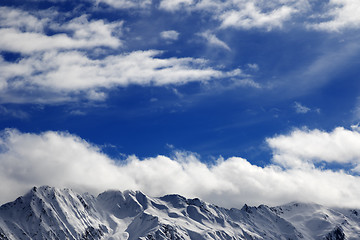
x: 51, y: 213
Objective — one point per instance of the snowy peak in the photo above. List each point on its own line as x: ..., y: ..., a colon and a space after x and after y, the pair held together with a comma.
x: 315, y: 220
x: 122, y: 204
x: 51, y: 213
x: 47, y: 213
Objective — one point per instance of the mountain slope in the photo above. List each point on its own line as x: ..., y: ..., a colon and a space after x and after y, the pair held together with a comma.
x: 51, y: 213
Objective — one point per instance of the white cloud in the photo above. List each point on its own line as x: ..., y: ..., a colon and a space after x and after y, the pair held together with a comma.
x: 173, y: 5
x: 55, y: 68
x: 253, y: 67
x: 336, y: 15
x: 247, y: 83
x: 72, y: 72
x: 355, y: 127
x: 213, y: 40
x: 343, y: 14
x: 169, y: 35
x: 124, y: 4
x: 64, y: 160
x: 251, y: 16
x: 26, y: 35
x: 242, y: 14
x: 15, y: 18
x: 299, y: 108
x: 303, y: 148
x: 77, y: 113
x: 16, y: 41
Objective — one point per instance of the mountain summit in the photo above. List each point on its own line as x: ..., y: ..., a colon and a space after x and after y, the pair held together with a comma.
x: 52, y: 213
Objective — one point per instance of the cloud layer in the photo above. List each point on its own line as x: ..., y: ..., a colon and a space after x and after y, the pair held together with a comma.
x: 64, y: 160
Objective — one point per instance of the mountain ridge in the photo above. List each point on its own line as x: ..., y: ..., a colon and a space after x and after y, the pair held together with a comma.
x: 52, y: 213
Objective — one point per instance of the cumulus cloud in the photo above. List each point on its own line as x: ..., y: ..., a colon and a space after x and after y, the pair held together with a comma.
x: 302, y: 147
x: 169, y: 35
x: 343, y: 14
x: 64, y: 160
x: 16, y: 18
x: 73, y: 72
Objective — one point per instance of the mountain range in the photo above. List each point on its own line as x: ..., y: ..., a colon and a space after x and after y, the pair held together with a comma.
x: 53, y: 213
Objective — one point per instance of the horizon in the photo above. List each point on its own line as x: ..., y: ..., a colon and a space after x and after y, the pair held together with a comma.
x: 230, y: 101
x: 129, y: 191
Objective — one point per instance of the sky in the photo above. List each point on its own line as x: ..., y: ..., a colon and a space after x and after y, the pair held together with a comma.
x: 232, y: 101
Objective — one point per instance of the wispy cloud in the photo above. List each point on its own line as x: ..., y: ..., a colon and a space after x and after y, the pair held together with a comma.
x: 77, y: 113
x: 27, y: 35
x: 64, y: 160
x: 253, y: 67
x: 251, y: 16
x: 173, y: 5
x: 299, y: 108
x: 248, y: 83
x: 214, y: 41
x: 73, y: 72
x: 356, y: 110
x: 334, y: 15
x: 169, y: 35
x: 63, y: 65
x: 242, y: 14
x: 324, y: 68
x: 8, y: 112
x: 125, y: 4
x: 59, y: 56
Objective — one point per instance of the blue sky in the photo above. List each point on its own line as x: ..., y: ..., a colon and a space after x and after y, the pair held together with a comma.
x: 193, y: 81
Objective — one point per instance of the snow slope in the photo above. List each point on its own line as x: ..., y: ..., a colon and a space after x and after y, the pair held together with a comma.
x: 51, y: 213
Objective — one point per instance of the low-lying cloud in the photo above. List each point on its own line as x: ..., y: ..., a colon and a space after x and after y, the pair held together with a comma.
x: 64, y: 160
x: 304, y: 147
